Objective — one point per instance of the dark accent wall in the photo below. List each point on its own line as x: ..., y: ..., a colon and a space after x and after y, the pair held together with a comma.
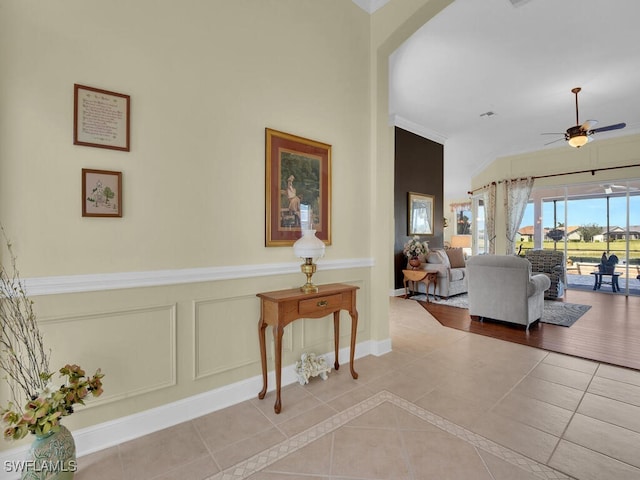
x: 419, y: 167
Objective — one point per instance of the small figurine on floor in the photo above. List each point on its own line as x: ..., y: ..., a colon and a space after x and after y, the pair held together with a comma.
x: 311, y: 365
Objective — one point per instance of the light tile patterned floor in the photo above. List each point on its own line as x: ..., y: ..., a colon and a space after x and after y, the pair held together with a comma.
x: 272, y: 455
x: 443, y: 404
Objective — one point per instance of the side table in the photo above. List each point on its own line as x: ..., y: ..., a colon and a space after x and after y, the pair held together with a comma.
x: 423, y: 276
x: 279, y: 308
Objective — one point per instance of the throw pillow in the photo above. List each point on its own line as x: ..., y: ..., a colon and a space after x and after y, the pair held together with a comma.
x: 434, y: 257
x: 438, y: 256
x: 456, y: 257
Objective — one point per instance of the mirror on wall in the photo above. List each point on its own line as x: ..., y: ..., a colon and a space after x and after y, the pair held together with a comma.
x: 420, y: 209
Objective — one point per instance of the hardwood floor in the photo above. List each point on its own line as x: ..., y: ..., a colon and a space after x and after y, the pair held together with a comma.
x: 609, y: 332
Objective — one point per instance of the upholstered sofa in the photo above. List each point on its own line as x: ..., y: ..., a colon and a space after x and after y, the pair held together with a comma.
x: 501, y: 287
x: 451, y: 269
x: 551, y: 263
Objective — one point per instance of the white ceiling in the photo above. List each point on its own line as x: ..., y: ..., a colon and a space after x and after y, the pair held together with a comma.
x: 520, y: 63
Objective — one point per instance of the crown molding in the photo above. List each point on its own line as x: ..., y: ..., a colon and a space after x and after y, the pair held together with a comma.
x: 416, y: 128
x: 370, y: 6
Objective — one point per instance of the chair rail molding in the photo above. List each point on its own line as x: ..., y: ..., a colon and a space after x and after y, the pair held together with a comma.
x: 56, y: 285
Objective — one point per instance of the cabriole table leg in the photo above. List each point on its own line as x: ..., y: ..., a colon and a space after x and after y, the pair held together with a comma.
x: 277, y: 337
x: 354, y: 328
x: 336, y: 337
x: 263, y: 356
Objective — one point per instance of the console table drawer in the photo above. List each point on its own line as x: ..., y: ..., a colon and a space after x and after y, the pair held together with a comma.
x: 314, y: 305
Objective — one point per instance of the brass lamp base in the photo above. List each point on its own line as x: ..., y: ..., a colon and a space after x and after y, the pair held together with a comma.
x: 308, y: 268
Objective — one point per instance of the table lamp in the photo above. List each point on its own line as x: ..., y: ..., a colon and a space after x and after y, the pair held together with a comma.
x: 462, y: 241
x: 310, y: 248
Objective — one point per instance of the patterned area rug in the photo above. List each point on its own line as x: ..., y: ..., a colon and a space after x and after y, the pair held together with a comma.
x: 557, y: 313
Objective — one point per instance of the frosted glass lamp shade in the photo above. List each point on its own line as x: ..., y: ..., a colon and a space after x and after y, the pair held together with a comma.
x: 308, y: 246
x: 578, y: 140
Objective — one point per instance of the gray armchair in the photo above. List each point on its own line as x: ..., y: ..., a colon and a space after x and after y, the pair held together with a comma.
x: 551, y: 263
x: 501, y: 287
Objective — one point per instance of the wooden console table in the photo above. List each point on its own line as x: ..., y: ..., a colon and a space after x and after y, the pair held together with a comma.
x: 282, y: 307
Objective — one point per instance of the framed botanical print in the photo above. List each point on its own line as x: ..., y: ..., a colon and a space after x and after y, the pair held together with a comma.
x: 101, y: 193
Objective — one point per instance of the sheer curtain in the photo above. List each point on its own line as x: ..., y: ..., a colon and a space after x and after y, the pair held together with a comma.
x: 489, y: 201
x: 516, y: 196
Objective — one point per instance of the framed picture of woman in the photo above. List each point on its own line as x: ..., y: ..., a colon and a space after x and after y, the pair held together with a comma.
x: 298, y: 188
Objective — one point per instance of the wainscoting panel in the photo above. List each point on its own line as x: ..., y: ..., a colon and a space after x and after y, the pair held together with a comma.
x: 135, y: 348
x: 168, y: 344
x: 226, y: 335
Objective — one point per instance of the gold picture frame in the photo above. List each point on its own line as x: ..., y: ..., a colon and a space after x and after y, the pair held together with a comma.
x: 298, y: 188
x: 420, y: 214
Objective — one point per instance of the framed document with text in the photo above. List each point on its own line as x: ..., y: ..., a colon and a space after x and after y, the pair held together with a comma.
x: 100, y: 118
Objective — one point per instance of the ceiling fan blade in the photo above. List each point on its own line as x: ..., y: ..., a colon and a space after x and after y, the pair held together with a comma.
x: 617, y: 126
x: 624, y: 187
x: 554, y: 141
x: 589, y: 124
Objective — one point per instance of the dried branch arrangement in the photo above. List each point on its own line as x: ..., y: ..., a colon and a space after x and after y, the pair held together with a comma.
x: 22, y: 353
x: 36, y: 405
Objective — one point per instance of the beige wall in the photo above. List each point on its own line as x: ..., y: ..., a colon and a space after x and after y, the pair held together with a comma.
x: 205, y: 79
x: 602, y: 153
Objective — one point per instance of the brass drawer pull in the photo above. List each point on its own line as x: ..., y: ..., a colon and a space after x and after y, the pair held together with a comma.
x: 323, y: 303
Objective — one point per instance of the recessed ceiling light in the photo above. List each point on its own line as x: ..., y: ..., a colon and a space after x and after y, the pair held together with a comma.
x: 518, y: 3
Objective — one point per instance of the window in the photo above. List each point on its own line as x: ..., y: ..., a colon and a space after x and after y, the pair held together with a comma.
x: 480, y: 243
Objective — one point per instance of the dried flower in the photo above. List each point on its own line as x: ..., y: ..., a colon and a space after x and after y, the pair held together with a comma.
x: 26, y: 363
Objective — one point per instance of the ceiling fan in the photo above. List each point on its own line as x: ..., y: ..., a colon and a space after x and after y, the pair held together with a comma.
x: 611, y: 188
x: 580, y: 134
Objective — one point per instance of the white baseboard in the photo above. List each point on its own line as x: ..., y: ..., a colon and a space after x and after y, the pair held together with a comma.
x: 379, y: 348
x: 108, y: 434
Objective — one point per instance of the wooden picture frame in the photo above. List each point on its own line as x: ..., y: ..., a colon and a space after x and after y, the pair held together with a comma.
x: 420, y: 214
x: 101, y: 193
x: 101, y: 118
x: 298, y: 188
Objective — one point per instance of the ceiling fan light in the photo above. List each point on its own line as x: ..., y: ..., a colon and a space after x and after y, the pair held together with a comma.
x: 578, y: 140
